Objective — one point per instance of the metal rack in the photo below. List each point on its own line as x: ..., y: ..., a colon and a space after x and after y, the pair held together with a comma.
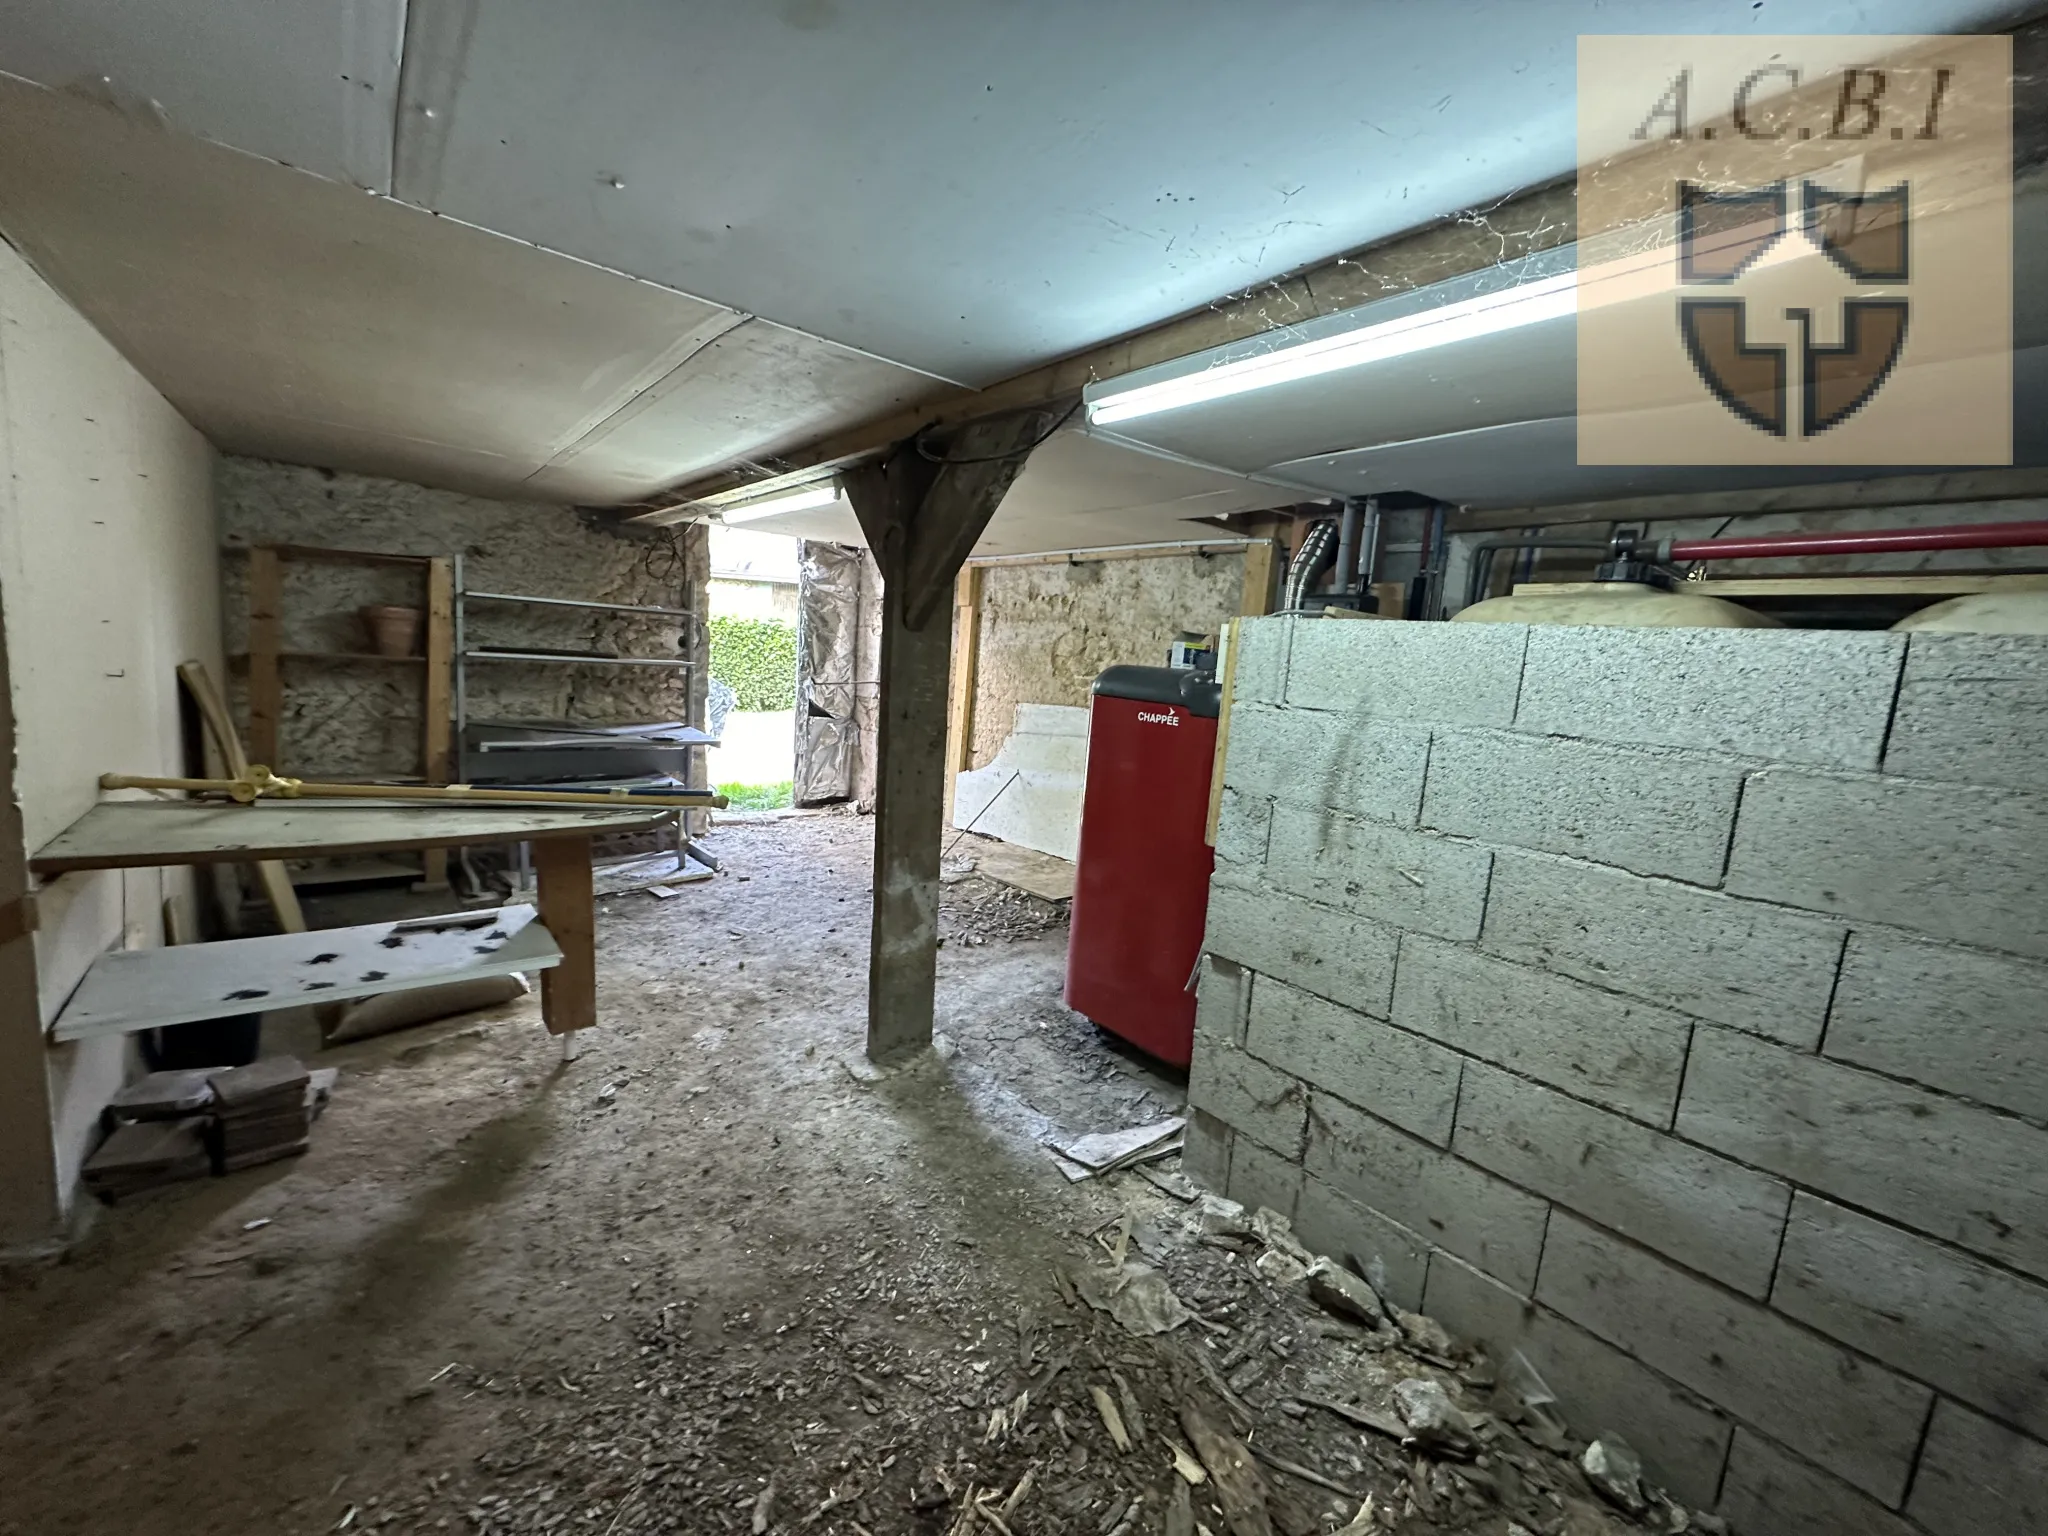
x: 466, y: 653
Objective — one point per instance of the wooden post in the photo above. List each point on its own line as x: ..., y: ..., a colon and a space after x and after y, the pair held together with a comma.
x: 568, y: 992
x: 436, y: 739
x: 960, y: 692
x: 922, y: 509
x: 1257, y: 597
x: 266, y: 622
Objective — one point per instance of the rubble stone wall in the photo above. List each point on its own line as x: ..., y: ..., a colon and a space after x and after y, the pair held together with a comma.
x: 1670, y: 1006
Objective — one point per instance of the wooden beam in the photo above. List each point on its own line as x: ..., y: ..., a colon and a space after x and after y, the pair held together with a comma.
x: 922, y: 508
x: 960, y: 691
x: 266, y: 625
x: 437, y: 742
x: 1838, y: 496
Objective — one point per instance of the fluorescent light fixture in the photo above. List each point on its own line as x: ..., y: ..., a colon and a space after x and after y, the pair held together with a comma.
x: 1550, y: 299
x: 803, y: 499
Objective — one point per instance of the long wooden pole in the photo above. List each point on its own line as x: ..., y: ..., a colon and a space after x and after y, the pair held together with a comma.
x: 260, y: 783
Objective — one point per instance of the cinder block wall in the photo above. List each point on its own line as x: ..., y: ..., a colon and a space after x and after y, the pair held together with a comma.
x: 1671, y: 1006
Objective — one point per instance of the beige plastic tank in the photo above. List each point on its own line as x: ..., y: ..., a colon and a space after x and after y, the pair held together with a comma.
x: 1983, y: 613
x: 1618, y: 603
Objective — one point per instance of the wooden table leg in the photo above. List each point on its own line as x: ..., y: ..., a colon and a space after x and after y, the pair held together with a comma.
x: 568, y: 992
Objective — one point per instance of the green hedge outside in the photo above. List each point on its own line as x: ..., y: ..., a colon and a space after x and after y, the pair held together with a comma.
x: 756, y: 658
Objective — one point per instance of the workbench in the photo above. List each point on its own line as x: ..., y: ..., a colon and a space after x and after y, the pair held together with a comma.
x: 135, y: 834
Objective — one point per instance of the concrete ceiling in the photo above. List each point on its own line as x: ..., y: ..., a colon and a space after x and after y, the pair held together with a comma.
x: 786, y: 217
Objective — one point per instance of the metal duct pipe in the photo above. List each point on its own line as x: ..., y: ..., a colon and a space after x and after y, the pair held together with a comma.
x: 1369, y: 545
x: 1867, y: 541
x: 1307, y: 565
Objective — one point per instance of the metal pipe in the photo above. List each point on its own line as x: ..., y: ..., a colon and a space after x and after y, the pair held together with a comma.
x: 1369, y: 545
x: 1307, y: 564
x: 1347, y: 545
x: 1480, y: 577
x: 1865, y: 541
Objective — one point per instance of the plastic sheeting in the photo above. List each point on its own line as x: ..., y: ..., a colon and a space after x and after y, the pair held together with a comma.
x: 827, y: 625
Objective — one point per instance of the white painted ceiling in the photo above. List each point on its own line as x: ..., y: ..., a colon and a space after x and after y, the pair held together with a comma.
x: 787, y: 216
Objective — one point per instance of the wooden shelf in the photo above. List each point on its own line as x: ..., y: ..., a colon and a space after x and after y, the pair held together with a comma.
x: 571, y: 656
x: 577, y: 602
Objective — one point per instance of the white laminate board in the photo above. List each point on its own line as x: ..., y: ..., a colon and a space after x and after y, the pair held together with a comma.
x: 136, y: 989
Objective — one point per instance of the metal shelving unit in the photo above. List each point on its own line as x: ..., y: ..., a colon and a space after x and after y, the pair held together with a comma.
x: 466, y: 653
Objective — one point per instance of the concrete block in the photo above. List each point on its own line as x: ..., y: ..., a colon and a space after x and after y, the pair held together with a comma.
x: 1973, y: 709
x: 1430, y: 884
x: 1856, y: 1419
x: 1420, y: 673
x: 1333, y: 954
x: 1310, y: 757
x: 1978, y: 1333
x: 1261, y: 673
x: 1400, y: 1077
x: 1768, y: 1489
x: 1205, y: 1153
x: 1614, y: 1051
x: 1448, y: 1202
x: 1259, y: 1177
x: 1248, y: 1096
x: 1333, y: 1224
x: 1943, y: 1167
x: 1949, y: 860
x: 1791, y: 695
x: 1682, y: 1439
x: 1767, y: 970
x: 1978, y: 1478
x: 1717, y: 1217
x: 1963, y: 1020
x: 1222, y: 991
x: 1651, y: 810
x: 1243, y: 825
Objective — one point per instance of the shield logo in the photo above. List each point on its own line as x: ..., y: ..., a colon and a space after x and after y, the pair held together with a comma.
x: 1722, y: 235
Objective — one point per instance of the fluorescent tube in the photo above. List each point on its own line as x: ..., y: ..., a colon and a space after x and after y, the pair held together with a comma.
x: 1550, y: 299
x: 802, y: 499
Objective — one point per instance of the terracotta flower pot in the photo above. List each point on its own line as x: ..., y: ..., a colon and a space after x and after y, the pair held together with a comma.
x: 394, y: 628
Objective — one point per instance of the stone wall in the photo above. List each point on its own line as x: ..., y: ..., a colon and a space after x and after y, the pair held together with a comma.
x: 1047, y: 630
x: 362, y: 719
x: 1666, y: 1005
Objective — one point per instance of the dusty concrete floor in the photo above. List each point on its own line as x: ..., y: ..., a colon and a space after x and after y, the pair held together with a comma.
x: 702, y: 1264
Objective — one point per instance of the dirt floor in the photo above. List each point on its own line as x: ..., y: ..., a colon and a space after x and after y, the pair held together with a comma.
x: 711, y: 1278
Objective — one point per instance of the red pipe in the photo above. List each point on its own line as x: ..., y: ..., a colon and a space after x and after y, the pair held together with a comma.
x: 1868, y: 541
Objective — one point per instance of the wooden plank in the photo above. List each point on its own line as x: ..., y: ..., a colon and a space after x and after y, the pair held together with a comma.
x: 1044, y: 875
x: 437, y: 739
x: 1115, y: 552
x: 1257, y: 596
x: 568, y: 993
x: 1837, y: 496
x: 335, y: 556
x: 960, y: 691
x: 266, y: 628
x: 220, y: 725
x: 1228, y: 689
x: 129, y: 990
x: 137, y: 834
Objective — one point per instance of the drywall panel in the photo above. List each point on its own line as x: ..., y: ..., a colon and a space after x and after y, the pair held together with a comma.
x: 292, y: 318
x: 108, y: 578
x: 312, y: 83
